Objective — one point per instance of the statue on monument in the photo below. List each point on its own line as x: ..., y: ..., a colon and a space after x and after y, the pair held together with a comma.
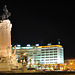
x: 6, y: 13
x: 14, y: 54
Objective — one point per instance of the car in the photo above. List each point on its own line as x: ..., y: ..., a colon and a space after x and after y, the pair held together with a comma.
x: 16, y: 68
x: 46, y: 70
x: 64, y: 70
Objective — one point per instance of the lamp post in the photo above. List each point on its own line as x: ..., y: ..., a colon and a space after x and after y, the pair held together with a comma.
x: 24, y: 68
x: 24, y: 54
x: 71, y: 64
x: 30, y: 63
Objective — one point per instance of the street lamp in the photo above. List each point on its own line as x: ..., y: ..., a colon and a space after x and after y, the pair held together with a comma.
x: 30, y: 62
x: 65, y: 66
x: 70, y: 63
x: 24, y: 54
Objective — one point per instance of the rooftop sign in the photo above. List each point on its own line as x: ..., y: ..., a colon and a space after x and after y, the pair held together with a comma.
x: 49, y: 46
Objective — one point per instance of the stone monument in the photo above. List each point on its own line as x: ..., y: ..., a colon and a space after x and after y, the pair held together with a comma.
x: 7, y: 59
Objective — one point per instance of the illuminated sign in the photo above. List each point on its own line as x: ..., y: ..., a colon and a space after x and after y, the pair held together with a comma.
x: 28, y: 45
x: 49, y: 46
x: 36, y: 44
x: 23, y: 47
x: 18, y: 45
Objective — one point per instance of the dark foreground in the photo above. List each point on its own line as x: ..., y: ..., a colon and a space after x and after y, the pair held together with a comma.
x: 41, y: 73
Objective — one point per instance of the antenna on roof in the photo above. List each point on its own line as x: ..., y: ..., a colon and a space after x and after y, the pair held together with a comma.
x: 58, y: 41
x: 49, y: 44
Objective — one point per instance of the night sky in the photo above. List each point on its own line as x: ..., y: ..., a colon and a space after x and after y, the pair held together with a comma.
x: 36, y: 22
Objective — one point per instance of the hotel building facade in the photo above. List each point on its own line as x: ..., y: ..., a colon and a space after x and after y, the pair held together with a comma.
x: 43, y: 55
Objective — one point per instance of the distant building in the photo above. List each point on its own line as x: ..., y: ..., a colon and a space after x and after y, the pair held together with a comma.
x: 20, y: 51
x: 69, y: 64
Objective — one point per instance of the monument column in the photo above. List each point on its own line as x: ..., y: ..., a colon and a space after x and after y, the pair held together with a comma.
x: 5, y: 38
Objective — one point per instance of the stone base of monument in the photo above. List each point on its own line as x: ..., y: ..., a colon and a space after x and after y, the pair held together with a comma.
x: 9, y: 67
x: 7, y: 64
x: 5, y: 67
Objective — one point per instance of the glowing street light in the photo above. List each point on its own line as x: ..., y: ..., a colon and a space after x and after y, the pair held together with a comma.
x: 71, y: 63
x: 65, y: 64
x: 24, y: 54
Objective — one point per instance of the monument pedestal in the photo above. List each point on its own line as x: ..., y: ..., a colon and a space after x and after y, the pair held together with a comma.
x: 5, y: 67
x: 5, y: 64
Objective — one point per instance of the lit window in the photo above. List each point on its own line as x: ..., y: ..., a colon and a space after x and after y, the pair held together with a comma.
x: 55, y: 48
x: 51, y: 57
x: 55, y: 56
x: 51, y: 51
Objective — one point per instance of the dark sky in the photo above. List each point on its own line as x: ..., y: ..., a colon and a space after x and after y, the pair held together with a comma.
x: 33, y: 22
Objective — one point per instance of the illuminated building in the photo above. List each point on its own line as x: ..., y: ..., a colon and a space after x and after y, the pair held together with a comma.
x: 69, y: 64
x: 45, y: 55
x: 52, y: 54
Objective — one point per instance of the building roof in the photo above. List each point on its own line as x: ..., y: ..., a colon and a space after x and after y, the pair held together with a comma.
x: 49, y: 46
x: 37, y: 47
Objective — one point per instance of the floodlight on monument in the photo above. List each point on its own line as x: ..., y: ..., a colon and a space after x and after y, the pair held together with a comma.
x: 11, y: 45
x: 9, y: 54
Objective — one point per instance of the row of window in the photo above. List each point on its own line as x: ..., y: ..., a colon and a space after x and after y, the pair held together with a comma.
x: 43, y: 52
x: 46, y: 57
x: 43, y: 55
x: 48, y: 49
x: 48, y: 62
x: 49, y: 52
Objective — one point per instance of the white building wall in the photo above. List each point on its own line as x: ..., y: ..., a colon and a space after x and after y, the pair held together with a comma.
x: 44, y: 55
